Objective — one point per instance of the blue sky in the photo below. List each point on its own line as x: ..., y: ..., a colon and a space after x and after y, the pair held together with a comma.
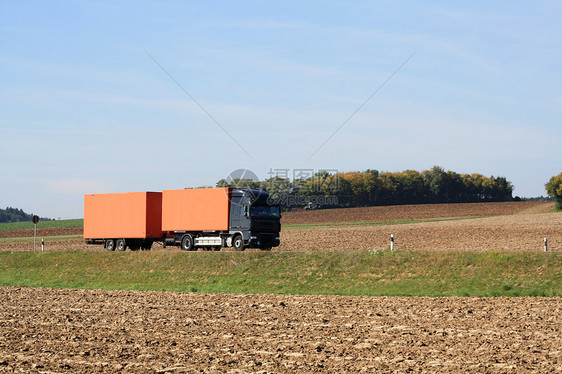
x: 84, y: 109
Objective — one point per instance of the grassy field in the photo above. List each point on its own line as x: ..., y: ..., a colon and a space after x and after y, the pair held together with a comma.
x: 42, y: 224
x: 343, y: 273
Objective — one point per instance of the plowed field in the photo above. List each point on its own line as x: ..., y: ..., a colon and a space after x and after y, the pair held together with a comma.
x: 85, y: 331
x: 415, y: 212
x: 512, y: 226
x: 95, y: 331
x: 500, y: 233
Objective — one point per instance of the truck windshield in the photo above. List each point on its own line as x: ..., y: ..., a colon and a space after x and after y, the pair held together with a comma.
x: 265, y: 211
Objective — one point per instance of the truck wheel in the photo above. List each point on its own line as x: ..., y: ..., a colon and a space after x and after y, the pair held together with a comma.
x: 238, y: 243
x: 187, y: 243
x: 110, y: 245
x: 121, y: 245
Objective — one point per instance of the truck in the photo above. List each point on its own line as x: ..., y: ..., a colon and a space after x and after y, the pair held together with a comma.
x: 208, y: 218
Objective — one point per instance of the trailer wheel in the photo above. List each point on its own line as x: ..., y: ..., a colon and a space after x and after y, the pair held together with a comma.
x: 120, y: 245
x: 238, y: 243
x: 216, y: 248
x: 110, y: 245
x: 187, y: 243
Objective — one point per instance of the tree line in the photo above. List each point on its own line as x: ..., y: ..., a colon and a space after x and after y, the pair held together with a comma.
x: 371, y: 187
x: 16, y: 215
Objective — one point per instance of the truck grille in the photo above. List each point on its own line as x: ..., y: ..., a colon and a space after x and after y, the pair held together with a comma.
x: 265, y: 225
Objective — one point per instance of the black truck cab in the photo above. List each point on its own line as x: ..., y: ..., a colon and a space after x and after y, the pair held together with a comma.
x: 254, y: 221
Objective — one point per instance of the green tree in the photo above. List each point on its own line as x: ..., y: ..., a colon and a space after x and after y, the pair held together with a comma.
x: 504, y: 190
x: 14, y: 215
x: 17, y: 215
x: 387, y: 192
x: 372, y: 186
x: 413, y: 188
x: 554, y: 189
x: 240, y: 183
x: 337, y: 186
x: 277, y: 187
x: 435, y: 182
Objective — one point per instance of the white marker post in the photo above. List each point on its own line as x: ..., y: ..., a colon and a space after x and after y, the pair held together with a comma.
x: 392, y: 242
x: 545, y: 244
x: 42, y: 244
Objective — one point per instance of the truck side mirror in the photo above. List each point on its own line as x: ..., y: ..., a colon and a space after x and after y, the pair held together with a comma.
x: 246, y: 210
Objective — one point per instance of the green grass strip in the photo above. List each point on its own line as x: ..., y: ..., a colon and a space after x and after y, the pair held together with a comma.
x: 42, y: 224
x: 371, y: 223
x: 333, y: 273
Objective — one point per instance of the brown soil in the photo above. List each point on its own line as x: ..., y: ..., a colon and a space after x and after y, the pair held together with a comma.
x: 500, y: 233
x: 27, y: 233
x: 69, y: 331
x: 512, y: 226
x: 414, y: 212
x: 94, y: 331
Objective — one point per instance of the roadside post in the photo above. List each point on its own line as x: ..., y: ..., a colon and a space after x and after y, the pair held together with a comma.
x: 35, y: 219
x: 392, y: 242
x: 546, y: 244
x: 42, y: 244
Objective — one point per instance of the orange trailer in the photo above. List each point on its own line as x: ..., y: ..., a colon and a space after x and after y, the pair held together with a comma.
x: 112, y: 217
x: 209, y: 218
x: 196, y: 209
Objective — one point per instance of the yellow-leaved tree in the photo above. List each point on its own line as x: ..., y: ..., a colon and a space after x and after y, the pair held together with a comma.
x: 554, y: 189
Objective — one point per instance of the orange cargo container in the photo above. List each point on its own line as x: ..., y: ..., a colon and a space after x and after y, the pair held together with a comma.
x: 123, y: 215
x: 198, y: 209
